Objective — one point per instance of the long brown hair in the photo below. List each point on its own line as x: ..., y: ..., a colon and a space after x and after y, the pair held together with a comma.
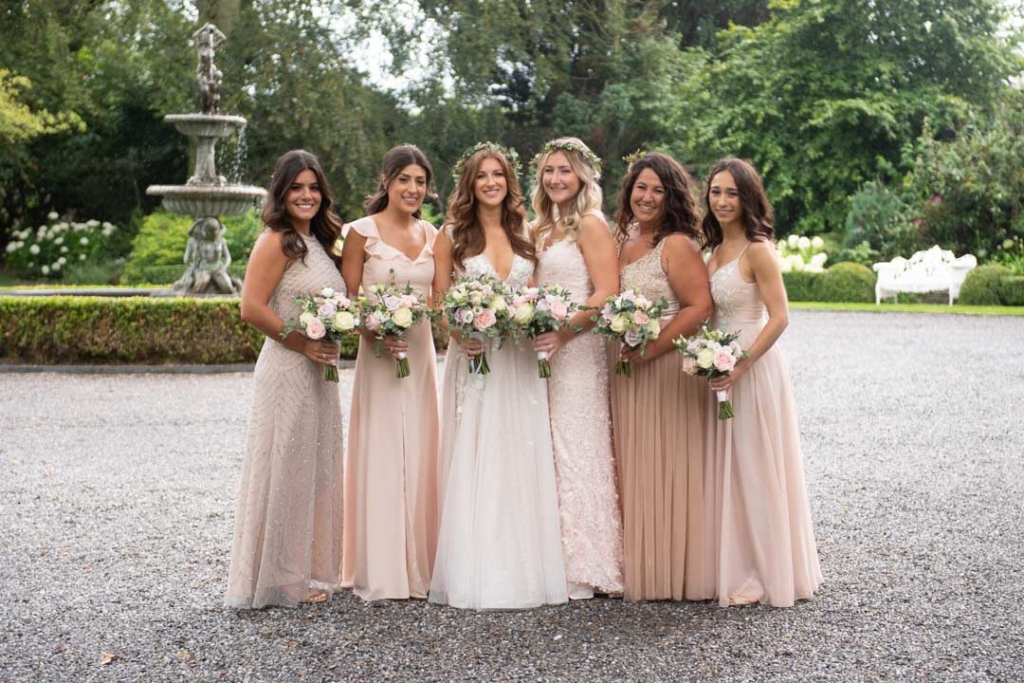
x: 680, y: 203
x: 758, y: 215
x: 466, y: 232
x: 395, y: 160
x: 325, y: 226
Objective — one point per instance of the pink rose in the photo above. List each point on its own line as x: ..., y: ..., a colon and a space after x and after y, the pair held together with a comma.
x: 372, y: 323
x: 409, y: 300
x: 315, y: 329
x: 543, y: 305
x: 689, y: 365
x: 485, y: 320
x: 724, y: 360
x: 641, y: 318
x: 327, y: 309
x: 559, y: 310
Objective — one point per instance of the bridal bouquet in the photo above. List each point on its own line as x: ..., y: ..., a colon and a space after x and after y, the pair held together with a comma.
x: 536, y: 310
x: 477, y: 308
x: 392, y: 311
x: 711, y: 353
x: 631, y: 318
x: 326, y: 315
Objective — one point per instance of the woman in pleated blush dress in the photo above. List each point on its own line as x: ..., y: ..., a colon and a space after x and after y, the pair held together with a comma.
x: 391, y: 512
x: 658, y: 413
x: 759, y: 515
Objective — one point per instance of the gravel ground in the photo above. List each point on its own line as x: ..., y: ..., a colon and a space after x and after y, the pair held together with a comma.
x: 117, y: 494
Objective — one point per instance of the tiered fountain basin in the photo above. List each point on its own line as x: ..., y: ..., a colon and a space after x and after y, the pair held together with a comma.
x: 206, y: 125
x: 208, y: 200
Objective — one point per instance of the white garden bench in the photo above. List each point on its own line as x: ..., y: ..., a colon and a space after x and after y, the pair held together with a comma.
x: 933, y: 270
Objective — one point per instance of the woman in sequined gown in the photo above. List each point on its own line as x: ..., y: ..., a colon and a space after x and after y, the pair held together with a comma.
x: 288, y: 521
x: 658, y: 413
x: 500, y: 543
x: 577, y: 251
x: 391, y: 511
x: 760, y: 521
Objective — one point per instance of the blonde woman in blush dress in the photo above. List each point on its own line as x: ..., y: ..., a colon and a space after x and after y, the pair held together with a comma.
x: 764, y: 541
x: 658, y: 413
x: 500, y: 543
x: 288, y: 522
x: 576, y: 250
x: 391, y: 511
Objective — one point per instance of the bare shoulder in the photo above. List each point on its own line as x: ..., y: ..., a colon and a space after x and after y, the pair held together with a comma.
x: 762, y: 252
x: 678, y: 244
x: 593, y: 228
x: 443, y: 240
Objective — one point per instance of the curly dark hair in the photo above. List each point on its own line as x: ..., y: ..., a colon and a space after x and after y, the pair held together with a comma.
x: 325, y: 226
x: 467, y: 233
x: 680, y: 203
x: 758, y: 215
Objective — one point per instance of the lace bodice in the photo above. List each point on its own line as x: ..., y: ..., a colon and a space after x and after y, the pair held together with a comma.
x: 305, y: 276
x: 562, y: 264
x: 648, y: 277
x: 479, y: 265
x: 738, y: 304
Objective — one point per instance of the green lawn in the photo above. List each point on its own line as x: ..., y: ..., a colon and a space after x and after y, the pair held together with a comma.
x: 908, y: 308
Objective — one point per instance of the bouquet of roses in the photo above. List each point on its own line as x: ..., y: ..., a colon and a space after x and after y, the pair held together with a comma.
x: 631, y: 318
x: 477, y: 308
x: 326, y: 315
x: 536, y: 310
x: 711, y: 353
x: 392, y: 311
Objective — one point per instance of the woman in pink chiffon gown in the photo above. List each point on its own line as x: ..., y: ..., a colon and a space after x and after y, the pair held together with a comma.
x: 391, y: 512
x: 576, y: 250
x: 760, y: 522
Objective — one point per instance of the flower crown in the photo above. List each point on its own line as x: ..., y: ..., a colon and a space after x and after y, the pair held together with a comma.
x: 508, y: 152
x: 566, y: 146
x: 631, y: 159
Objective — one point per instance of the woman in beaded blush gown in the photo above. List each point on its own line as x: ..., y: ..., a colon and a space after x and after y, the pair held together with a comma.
x: 658, y: 413
x: 391, y: 513
x: 761, y: 521
x: 288, y: 521
x: 500, y: 543
x: 577, y: 251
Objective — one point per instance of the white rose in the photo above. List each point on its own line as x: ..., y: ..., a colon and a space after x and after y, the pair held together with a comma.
x: 344, y: 321
x: 402, y: 317
x: 327, y: 292
x: 705, y: 358
x: 654, y: 328
x: 620, y: 323
x: 524, y: 314
x: 498, y: 303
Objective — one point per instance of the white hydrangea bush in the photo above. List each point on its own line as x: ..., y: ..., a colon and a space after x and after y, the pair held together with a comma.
x: 801, y: 253
x: 45, y: 252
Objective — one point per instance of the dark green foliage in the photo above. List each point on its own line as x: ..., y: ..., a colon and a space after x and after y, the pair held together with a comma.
x: 983, y: 286
x: 801, y: 285
x: 846, y: 282
x: 1011, y: 290
x: 151, y: 331
x: 879, y: 217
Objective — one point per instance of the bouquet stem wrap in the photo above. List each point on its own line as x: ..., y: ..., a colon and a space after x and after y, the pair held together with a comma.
x: 724, y: 405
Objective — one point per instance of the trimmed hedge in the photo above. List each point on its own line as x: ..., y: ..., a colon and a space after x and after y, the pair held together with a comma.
x: 983, y: 286
x: 69, y: 330
x: 1011, y: 290
x: 845, y: 282
x: 801, y: 285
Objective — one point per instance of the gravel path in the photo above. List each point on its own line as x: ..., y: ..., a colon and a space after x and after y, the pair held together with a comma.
x: 117, y: 494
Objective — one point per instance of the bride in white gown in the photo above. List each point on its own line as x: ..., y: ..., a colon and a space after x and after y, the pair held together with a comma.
x: 500, y: 541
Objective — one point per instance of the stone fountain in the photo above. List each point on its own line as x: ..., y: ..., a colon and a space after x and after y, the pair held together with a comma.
x: 207, y: 195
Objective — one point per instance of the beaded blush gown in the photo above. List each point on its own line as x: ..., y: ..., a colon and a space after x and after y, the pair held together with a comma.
x: 391, y: 509
x: 658, y: 426
x: 582, y: 440
x: 288, y: 520
x: 764, y: 540
x: 500, y: 543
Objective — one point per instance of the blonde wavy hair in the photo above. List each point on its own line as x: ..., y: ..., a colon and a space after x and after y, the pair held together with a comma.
x: 587, y: 200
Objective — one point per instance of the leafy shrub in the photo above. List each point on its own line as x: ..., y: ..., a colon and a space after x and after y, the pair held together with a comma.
x: 69, y: 330
x: 801, y: 253
x: 162, y: 237
x: 881, y: 218
x: 982, y: 286
x: 46, y: 252
x: 846, y: 282
x: 801, y: 285
x: 861, y: 253
x: 1011, y: 290
x: 1010, y: 254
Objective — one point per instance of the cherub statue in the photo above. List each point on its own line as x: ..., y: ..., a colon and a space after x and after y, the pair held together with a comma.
x: 207, y: 258
x: 209, y: 76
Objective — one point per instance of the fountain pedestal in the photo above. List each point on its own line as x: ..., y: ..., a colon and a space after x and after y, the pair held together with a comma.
x: 206, y: 194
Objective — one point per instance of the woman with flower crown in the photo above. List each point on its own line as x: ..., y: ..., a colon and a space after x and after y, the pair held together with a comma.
x: 658, y: 413
x: 500, y: 543
x: 576, y: 250
x: 391, y: 511
x: 759, y: 515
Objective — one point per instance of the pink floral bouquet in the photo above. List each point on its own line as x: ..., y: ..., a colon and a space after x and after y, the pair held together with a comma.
x: 536, y: 310
x: 632, y: 319
x: 326, y: 315
x: 477, y: 308
x: 391, y: 310
x: 712, y: 353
